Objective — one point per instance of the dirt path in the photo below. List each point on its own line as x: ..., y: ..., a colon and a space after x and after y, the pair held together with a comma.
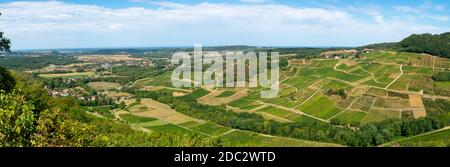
x: 348, y: 107
x: 338, y: 64
x: 296, y: 89
x: 165, y: 87
x: 139, y: 80
x: 232, y: 130
x: 263, y: 114
x: 401, y: 73
x: 317, y: 91
x: 297, y: 111
x: 297, y: 72
x: 423, y: 134
x: 213, y: 99
x: 434, y: 62
x: 343, y: 81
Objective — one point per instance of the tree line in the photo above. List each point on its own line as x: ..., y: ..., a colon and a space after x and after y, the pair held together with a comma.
x: 438, y: 44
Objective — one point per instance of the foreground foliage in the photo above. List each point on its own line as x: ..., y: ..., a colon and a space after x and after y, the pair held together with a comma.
x: 31, y: 118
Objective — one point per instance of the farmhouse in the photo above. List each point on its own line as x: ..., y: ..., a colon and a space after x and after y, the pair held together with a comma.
x: 366, y: 50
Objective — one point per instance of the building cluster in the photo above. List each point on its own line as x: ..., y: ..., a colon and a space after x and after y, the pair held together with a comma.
x: 338, y: 54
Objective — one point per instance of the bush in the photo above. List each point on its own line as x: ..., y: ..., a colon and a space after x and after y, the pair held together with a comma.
x: 7, y: 81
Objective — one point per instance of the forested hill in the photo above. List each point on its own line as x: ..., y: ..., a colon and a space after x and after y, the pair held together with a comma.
x: 434, y: 44
x: 438, y: 44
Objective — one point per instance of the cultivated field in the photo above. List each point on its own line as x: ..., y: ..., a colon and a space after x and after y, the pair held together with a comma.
x: 103, y: 85
x: 68, y: 75
x: 378, y: 86
x: 438, y: 138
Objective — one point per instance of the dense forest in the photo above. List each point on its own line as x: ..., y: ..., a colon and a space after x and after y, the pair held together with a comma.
x: 30, y: 62
x: 438, y: 44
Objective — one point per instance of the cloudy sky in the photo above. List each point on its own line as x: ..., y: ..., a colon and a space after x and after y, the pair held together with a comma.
x: 155, y: 23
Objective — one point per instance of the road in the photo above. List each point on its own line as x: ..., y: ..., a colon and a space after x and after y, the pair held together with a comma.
x: 401, y: 73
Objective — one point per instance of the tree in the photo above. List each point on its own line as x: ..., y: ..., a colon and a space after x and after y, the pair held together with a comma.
x: 7, y: 81
x: 438, y: 44
x: 53, y: 130
x: 5, y: 43
x: 17, y: 120
x: 122, y: 105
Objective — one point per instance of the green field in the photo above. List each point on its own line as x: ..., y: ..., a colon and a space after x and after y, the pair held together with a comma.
x: 211, y: 129
x: 304, y: 118
x: 377, y: 92
x: 135, y: 119
x: 442, y: 84
x: 248, y: 102
x: 249, y: 139
x: 320, y: 106
x: 380, y: 115
x: 195, y: 95
x: 280, y: 113
x: 189, y: 124
x: 348, y: 77
x: 160, y: 80
x: 335, y: 85
x: 103, y: 85
x: 101, y: 110
x: 227, y: 93
x: 302, y: 82
x: 436, y: 139
x: 349, y: 117
x: 169, y: 128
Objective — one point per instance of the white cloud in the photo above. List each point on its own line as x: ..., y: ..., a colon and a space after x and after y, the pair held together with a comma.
x: 54, y: 24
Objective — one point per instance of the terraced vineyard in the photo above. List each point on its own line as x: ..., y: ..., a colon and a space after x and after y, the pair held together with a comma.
x: 159, y: 117
x: 316, y: 95
x: 350, y: 92
x: 377, y: 86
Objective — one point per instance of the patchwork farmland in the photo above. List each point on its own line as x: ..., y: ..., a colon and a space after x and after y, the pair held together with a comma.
x: 378, y: 86
x: 319, y: 99
x: 348, y: 92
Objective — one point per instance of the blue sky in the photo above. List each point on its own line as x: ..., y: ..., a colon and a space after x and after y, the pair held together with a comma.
x: 154, y: 23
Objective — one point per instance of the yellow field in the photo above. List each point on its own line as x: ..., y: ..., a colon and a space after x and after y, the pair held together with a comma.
x: 103, y: 85
x: 162, y: 111
x: 68, y: 75
x: 213, y: 99
x: 115, y: 94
